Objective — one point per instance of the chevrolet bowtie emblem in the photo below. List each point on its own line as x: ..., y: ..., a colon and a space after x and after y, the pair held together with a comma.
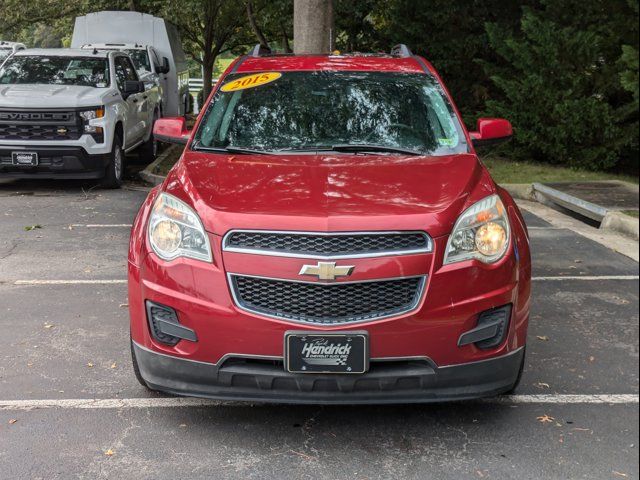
x: 327, y: 270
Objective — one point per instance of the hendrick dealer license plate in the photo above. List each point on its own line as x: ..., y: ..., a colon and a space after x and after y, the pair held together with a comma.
x: 307, y: 352
x: 29, y: 159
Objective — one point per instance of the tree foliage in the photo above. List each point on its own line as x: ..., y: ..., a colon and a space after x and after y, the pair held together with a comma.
x: 565, y: 72
x: 567, y: 83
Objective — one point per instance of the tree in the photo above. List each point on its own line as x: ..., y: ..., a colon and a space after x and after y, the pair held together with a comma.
x: 313, y: 26
x: 208, y: 28
x: 560, y: 82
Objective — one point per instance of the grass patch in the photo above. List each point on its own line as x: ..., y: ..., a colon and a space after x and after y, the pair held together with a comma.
x: 507, y: 171
x: 631, y: 213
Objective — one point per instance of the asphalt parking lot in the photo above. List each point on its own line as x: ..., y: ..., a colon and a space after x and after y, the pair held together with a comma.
x: 64, y: 324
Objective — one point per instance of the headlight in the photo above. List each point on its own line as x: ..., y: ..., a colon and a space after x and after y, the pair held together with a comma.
x: 482, y: 232
x: 87, y: 116
x: 175, y: 230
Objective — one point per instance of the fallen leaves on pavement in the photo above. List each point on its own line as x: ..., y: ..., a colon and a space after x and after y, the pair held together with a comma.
x: 545, y: 419
x: 109, y: 453
x: 542, y: 338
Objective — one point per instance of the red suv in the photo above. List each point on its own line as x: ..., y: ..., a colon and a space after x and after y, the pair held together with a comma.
x: 329, y: 235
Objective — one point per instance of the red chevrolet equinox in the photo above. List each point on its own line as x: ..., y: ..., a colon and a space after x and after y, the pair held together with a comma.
x: 329, y: 235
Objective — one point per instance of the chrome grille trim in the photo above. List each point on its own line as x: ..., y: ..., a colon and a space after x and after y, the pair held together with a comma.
x: 293, y: 254
x: 408, y: 309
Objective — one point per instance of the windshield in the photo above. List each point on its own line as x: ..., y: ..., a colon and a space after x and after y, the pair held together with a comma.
x: 4, y: 53
x: 317, y: 110
x: 140, y: 60
x: 81, y: 71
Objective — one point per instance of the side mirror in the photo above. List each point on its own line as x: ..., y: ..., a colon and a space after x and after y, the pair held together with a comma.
x: 491, y: 131
x: 131, y: 87
x: 171, y: 130
x: 165, y: 67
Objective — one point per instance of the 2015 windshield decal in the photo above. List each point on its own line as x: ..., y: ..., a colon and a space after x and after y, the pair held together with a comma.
x: 250, y: 81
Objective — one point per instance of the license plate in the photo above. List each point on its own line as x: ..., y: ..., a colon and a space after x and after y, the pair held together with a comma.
x: 29, y: 159
x: 307, y: 352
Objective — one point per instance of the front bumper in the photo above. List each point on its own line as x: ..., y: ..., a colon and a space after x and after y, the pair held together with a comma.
x: 55, y: 162
x: 416, y: 380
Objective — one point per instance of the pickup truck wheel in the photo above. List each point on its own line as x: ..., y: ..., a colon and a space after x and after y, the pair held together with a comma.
x: 148, y: 151
x: 115, y: 169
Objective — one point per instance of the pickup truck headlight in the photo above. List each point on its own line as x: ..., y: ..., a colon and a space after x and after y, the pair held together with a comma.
x: 94, y: 130
x: 482, y: 232
x: 175, y: 230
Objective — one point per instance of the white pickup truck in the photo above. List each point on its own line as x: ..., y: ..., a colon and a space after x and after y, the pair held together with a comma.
x: 68, y: 113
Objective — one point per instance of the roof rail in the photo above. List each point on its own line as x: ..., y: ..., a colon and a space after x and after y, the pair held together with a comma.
x: 259, y: 50
x: 401, y: 50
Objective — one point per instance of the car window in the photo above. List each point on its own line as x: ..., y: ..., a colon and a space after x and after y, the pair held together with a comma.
x: 56, y: 70
x: 140, y: 59
x: 129, y: 69
x: 121, y: 74
x: 307, y: 110
x: 156, y: 60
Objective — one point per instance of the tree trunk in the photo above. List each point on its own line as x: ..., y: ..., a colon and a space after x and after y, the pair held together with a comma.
x: 285, y: 40
x: 313, y: 26
x: 133, y: 5
x: 254, y: 26
x: 208, y: 63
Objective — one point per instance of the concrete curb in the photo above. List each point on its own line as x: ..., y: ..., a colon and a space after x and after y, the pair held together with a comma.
x: 611, y: 220
x: 621, y: 223
x: 149, y: 174
x: 520, y: 191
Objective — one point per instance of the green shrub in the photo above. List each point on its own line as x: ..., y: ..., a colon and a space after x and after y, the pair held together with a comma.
x: 565, y: 85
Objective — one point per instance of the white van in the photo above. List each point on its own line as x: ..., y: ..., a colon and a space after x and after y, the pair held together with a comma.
x: 152, y: 43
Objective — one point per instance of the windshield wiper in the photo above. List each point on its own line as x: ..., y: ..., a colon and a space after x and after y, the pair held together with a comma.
x: 230, y: 149
x: 363, y: 147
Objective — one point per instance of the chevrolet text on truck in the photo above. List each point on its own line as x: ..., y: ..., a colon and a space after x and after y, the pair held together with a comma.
x: 73, y: 114
x: 329, y: 235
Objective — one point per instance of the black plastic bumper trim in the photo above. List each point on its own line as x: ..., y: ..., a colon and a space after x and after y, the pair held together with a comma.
x: 410, y: 381
x: 70, y: 163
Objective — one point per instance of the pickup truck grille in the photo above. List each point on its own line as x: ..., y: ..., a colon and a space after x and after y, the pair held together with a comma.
x: 327, y: 304
x: 303, y: 244
x: 39, y: 125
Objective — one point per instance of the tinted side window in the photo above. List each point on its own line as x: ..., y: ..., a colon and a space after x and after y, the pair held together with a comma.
x: 121, y: 74
x: 129, y: 69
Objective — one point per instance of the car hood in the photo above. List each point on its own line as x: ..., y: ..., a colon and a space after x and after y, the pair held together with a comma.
x: 328, y: 192
x: 49, y: 96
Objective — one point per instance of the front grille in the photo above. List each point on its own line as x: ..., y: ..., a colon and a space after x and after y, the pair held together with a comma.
x: 328, y: 245
x: 39, y: 125
x: 327, y: 304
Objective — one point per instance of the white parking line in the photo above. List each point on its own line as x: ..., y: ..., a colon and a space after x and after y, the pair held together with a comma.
x: 70, y: 282
x: 114, y: 225
x: 587, y: 278
x: 173, y: 402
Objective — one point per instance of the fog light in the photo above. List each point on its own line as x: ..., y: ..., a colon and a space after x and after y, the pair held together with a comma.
x: 491, y: 329
x: 165, y: 326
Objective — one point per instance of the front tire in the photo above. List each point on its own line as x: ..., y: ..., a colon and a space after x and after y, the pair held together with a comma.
x: 115, y: 170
